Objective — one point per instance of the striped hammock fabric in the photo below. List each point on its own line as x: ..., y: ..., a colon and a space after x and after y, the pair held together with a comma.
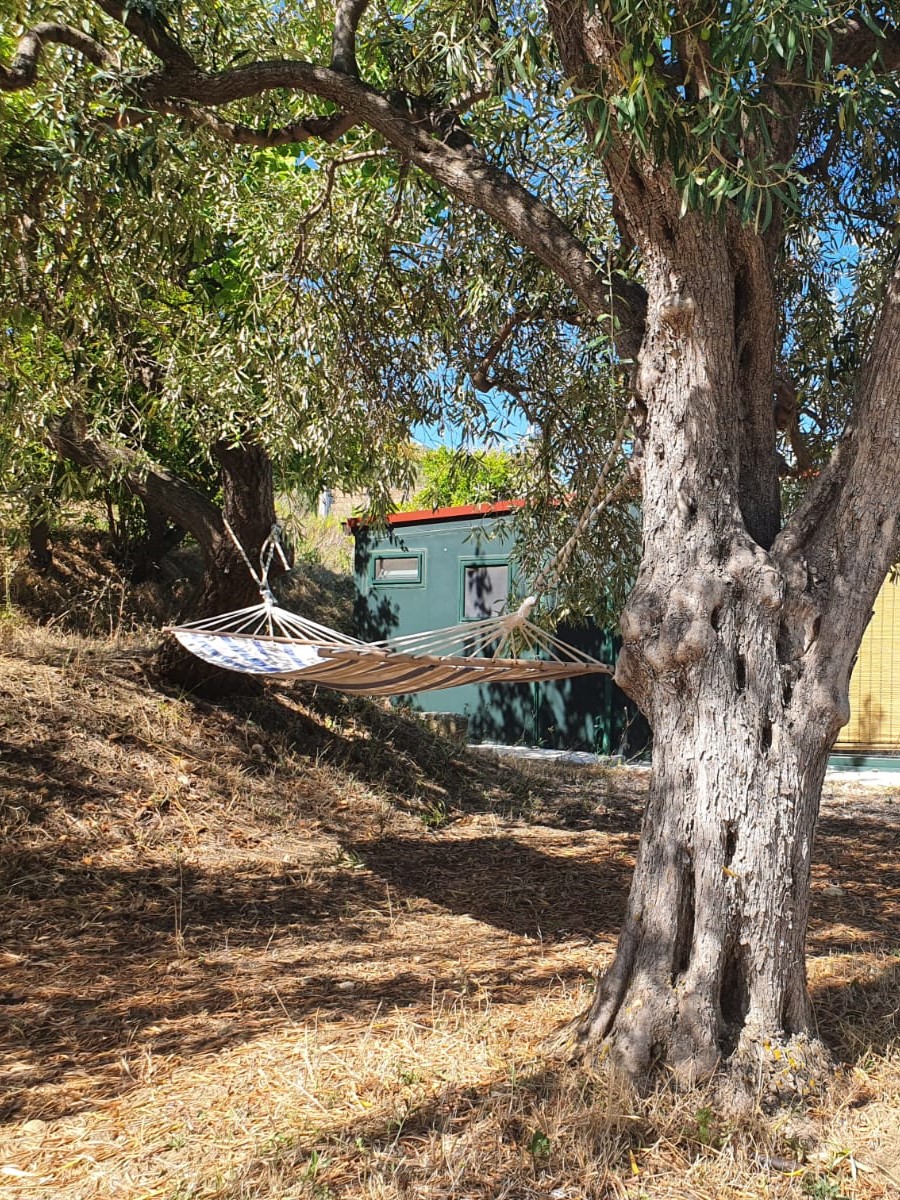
x: 268, y: 640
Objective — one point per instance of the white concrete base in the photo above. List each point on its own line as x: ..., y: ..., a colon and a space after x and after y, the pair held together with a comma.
x: 569, y: 758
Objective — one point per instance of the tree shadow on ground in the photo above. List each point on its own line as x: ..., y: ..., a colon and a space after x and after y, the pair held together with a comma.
x: 47, y: 775
x: 507, y: 883
x: 859, y: 1015
x: 384, y: 749
x: 483, y: 1138
x: 477, y: 1141
x: 101, y: 962
x: 860, y: 856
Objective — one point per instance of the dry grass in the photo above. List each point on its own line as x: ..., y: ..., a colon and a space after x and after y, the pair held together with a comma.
x: 303, y: 948
x: 88, y: 591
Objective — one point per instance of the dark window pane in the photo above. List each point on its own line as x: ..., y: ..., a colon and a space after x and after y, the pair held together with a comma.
x: 486, y: 591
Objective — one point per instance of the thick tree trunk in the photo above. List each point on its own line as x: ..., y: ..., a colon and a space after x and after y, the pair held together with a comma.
x: 711, y: 961
x: 248, y: 504
x: 154, y: 485
x: 720, y: 652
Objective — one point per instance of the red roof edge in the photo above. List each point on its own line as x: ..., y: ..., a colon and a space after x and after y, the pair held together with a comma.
x: 496, y: 508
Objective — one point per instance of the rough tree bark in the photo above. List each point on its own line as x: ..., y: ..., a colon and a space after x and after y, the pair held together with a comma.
x: 741, y: 657
x: 738, y: 638
x: 711, y: 959
x: 248, y: 505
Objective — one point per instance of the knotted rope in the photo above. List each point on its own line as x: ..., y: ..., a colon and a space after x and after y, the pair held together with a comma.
x: 267, y: 551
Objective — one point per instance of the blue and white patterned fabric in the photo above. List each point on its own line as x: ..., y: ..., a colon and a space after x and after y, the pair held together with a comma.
x: 256, y: 656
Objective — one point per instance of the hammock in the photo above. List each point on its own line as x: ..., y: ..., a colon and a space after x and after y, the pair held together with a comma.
x: 268, y: 640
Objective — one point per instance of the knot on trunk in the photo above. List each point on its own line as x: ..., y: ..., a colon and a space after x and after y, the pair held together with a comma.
x: 831, y: 700
x: 677, y: 312
x: 682, y: 640
x: 801, y: 621
x: 751, y: 568
x: 669, y: 631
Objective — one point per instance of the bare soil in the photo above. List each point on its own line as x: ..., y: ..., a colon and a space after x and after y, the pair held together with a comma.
x: 302, y: 946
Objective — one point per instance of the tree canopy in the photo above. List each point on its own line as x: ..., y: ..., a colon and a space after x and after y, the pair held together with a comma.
x: 345, y: 176
x: 323, y: 299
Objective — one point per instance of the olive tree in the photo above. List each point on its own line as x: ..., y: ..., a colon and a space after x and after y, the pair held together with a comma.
x: 170, y: 326
x: 728, y: 145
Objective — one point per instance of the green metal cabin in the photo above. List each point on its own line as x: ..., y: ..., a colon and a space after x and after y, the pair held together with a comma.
x: 431, y: 569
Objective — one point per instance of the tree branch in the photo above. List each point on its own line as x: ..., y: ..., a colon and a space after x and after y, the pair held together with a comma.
x: 788, y: 95
x: 464, y: 172
x: 151, y: 32
x: 324, y: 129
x: 314, y: 211
x: 856, y: 44
x: 469, y: 99
x: 847, y: 531
x: 347, y: 15
x: 22, y: 71
x: 820, y: 166
x: 181, y: 86
x: 482, y: 379
x: 787, y: 420
x: 183, y: 505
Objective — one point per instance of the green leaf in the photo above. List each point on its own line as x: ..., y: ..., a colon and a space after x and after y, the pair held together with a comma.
x: 539, y: 1146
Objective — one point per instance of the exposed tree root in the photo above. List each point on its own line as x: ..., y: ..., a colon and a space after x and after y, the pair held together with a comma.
x: 764, y: 1072
x: 775, y: 1071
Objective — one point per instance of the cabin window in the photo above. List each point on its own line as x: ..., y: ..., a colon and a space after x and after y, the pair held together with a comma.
x: 485, y: 590
x: 398, y: 568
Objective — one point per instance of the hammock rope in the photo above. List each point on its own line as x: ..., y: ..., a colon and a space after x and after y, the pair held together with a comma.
x: 265, y: 639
